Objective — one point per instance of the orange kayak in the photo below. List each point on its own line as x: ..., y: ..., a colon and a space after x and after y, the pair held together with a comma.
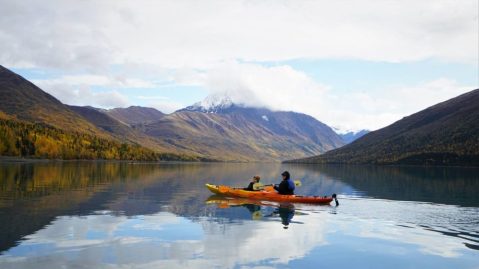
x: 269, y: 194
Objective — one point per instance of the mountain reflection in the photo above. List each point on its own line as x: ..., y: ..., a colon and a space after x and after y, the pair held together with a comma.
x: 446, y: 185
x: 34, y: 194
x: 41, y: 202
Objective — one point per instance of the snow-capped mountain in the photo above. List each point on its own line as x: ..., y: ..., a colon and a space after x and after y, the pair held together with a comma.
x: 211, y: 104
x: 217, y: 126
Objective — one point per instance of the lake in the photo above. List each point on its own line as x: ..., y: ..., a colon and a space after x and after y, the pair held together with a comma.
x: 138, y: 215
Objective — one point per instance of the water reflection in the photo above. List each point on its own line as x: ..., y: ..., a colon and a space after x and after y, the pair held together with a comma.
x: 104, y: 215
x: 445, y: 185
x: 286, y: 214
x: 258, y: 210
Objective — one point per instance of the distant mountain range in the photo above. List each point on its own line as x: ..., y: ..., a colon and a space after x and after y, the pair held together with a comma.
x: 215, y: 128
x: 241, y: 133
x: 349, y: 137
x: 443, y: 134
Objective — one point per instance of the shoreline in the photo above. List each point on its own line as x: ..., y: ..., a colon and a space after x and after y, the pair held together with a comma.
x: 10, y: 159
x: 379, y: 165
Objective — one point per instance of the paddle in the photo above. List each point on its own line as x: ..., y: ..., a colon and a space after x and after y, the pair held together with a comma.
x: 259, y: 186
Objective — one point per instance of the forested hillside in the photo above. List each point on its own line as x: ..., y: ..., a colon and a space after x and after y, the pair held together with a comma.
x: 37, y: 140
x: 443, y: 134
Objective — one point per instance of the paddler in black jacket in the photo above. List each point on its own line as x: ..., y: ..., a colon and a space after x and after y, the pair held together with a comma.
x: 286, y: 186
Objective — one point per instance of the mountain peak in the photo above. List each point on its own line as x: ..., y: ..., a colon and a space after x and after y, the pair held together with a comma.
x: 213, y: 103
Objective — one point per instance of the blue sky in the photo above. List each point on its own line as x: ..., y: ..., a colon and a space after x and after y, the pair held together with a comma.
x: 351, y: 64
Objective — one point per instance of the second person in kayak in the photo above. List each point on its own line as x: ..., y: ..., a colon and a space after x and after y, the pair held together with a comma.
x: 286, y: 186
x: 254, y: 181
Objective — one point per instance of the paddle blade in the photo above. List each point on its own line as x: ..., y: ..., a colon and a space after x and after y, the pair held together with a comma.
x: 258, y: 186
x: 256, y: 215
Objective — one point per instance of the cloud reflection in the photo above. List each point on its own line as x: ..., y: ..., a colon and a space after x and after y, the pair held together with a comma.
x: 104, y: 241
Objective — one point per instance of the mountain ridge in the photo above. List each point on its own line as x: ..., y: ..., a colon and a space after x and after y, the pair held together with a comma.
x: 444, y: 134
x: 251, y: 133
x: 28, y: 102
x: 135, y: 114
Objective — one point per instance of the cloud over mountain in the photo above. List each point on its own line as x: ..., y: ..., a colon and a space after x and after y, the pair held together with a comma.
x: 284, y: 88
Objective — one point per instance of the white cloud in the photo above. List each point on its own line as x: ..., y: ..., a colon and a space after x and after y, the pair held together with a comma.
x: 77, y: 89
x: 165, y: 106
x: 279, y: 87
x: 162, y: 103
x: 173, y: 34
x: 212, y: 250
x: 97, y: 80
x: 358, y: 110
x: 82, y: 95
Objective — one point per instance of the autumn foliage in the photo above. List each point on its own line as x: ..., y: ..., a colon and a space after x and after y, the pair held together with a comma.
x: 37, y: 140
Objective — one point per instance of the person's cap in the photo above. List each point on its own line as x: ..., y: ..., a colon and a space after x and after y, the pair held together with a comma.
x: 256, y: 177
x: 285, y: 173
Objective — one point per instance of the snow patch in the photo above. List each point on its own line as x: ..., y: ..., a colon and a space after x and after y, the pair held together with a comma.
x: 264, y: 117
x: 212, y: 103
x: 216, y: 101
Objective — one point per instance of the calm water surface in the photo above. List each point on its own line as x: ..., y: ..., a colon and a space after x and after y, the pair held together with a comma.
x: 122, y: 215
